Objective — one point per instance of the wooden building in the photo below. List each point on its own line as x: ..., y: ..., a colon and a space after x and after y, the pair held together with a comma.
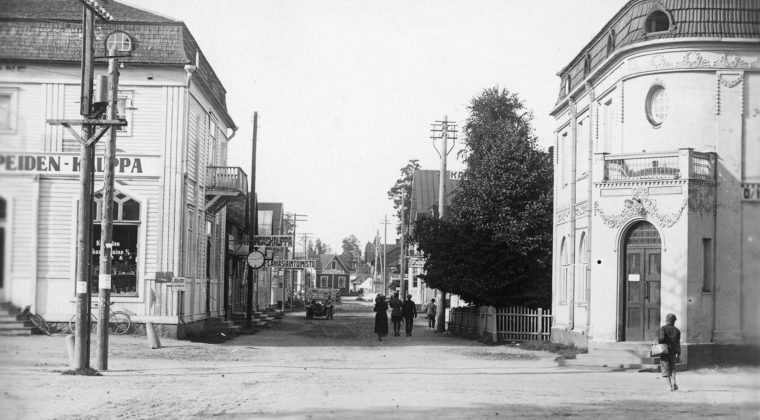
x: 333, y: 273
x: 172, y: 182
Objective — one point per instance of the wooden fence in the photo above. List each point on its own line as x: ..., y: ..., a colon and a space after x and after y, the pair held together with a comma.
x: 502, y: 324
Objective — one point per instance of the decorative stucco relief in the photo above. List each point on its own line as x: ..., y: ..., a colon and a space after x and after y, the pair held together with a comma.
x: 640, y: 205
x: 563, y: 216
x: 582, y: 209
x: 729, y: 81
x: 691, y: 60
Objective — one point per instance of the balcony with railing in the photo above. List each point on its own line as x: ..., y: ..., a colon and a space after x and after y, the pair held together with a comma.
x: 679, y: 164
x: 224, y: 185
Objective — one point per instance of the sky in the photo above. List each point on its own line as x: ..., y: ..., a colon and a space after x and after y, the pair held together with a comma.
x: 346, y: 90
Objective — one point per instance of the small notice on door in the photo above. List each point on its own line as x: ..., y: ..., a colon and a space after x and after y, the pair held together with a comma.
x: 634, y: 277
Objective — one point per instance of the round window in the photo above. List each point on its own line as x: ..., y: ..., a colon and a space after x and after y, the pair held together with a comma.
x: 119, y: 41
x: 657, y: 105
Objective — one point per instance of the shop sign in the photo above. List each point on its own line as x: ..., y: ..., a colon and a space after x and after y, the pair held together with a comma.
x: 293, y: 263
x: 750, y: 192
x: 68, y: 164
x: 284, y: 241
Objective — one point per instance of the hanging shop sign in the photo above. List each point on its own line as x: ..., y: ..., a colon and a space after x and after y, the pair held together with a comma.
x: 69, y: 164
x: 284, y: 241
x: 293, y: 263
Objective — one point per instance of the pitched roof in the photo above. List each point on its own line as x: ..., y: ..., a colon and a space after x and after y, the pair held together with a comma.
x: 425, y: 191
x: 689, y: 19
x: 51, y: 31
x: 324, y: 260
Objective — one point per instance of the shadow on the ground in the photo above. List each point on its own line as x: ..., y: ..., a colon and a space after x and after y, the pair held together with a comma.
x: 619, y: 409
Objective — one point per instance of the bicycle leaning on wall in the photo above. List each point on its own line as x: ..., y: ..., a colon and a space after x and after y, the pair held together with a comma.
x: 118, y: 322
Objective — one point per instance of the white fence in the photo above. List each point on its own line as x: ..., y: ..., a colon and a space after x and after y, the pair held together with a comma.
x: 502, y: 324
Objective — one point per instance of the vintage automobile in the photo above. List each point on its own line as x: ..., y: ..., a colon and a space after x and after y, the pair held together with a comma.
x: 320, y: 307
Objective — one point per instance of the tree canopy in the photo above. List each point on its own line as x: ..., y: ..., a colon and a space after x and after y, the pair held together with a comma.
x: 495, y: 249
x: 351, y: 252
x: 401, y: 191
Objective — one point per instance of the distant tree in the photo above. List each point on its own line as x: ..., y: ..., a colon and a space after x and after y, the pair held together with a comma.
x: 319, y: 247
x: 496, y: 248
x: 401, y: 192
x: 310, y: 251
x: 351, y: 251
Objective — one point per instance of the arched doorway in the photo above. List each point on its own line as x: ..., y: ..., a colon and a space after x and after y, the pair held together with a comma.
x: 641, y: 282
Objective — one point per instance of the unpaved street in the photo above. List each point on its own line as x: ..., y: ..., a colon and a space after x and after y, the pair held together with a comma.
x: 338, y: 369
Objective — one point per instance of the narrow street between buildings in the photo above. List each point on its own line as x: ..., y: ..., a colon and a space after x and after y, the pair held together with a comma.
x: 338, y: 369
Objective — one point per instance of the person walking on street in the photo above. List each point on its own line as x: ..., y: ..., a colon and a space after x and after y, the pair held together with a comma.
x: 381, y: 317
x: 431, y: 311
x: 409, y: 311
x: 396, y: 314
x: 671, y: 336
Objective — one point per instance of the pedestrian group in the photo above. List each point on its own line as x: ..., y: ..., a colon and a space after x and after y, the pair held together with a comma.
x: 405, y: 311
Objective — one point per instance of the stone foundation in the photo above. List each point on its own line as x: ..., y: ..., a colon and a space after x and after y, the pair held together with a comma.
x: 578, y: 338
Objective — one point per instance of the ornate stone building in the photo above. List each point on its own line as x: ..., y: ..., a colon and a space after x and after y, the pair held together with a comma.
x: 657, y: 176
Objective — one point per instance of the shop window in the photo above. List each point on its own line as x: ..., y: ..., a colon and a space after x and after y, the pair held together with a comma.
x: 125, y: 245
x: 8, y: 110
x: 657, y: 21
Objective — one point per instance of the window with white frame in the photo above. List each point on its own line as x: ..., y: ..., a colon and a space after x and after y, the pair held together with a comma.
x: 265, y: 222
x: 608, y: 121
x: 341, y: 282
x: 125, y: 110
x: 8, y: 110
x: 565, y: 156
x: 125, y: 243
x: 323, y: 281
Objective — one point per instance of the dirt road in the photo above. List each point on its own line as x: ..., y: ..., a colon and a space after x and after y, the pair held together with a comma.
x: 338, y: 369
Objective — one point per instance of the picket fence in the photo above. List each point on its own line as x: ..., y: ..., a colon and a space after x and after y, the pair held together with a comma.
x: 512, y: 323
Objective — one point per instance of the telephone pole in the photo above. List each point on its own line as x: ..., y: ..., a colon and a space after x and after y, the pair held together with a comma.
x: 444, y: 130
x: 402, y: 251
x: 106, y: 225
x: 385, y: 255
x: 88, y: 138
x: 295, y: 218
x: 253, y: 229
x: 305, y: 237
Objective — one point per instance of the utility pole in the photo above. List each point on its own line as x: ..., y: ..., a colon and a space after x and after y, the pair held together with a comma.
x: 106, y: 225
x: 305, y: 237
x: 253, y: 274
x: 385, y: 256
x: 402, y: 252
x: 90, y: 120
x: 295, y: 218
x: 445, y: 128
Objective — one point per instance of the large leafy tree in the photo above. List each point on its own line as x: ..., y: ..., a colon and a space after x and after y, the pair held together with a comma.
x: 401, y: 192
x: 351, y: 251
x: 496, y: 247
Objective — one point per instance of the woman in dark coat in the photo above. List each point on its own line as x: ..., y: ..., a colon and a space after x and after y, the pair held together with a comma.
x: 381, y: 317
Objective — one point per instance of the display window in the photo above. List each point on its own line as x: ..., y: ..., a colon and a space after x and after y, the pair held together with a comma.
x: 126, y: 224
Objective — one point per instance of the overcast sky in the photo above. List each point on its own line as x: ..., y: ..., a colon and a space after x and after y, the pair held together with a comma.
x: 346, y: 90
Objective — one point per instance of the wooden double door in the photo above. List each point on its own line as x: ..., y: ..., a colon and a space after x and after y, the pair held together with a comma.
x: 641, y: 282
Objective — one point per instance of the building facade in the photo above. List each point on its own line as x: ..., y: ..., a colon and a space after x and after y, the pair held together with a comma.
x: 657, y: 172
x: 333, y: 273
x: 171, y: 184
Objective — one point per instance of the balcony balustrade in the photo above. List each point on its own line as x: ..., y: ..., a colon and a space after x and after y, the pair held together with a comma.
x: 224, y: 185
x: 680, y: 164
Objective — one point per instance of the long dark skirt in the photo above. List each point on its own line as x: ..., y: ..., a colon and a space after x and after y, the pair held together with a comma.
x: 381, y: 323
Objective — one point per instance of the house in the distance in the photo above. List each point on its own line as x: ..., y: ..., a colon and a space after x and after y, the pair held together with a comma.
x: 332, y: 273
